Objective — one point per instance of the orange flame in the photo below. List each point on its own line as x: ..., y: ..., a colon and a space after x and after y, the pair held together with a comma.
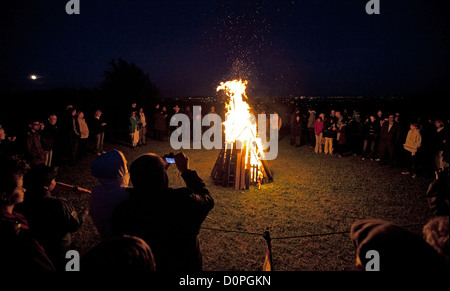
x: 239, y: 124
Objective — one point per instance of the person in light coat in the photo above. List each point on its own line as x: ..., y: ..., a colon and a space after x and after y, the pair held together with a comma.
x: 411, y: 146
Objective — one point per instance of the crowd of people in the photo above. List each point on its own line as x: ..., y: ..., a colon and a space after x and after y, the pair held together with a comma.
x: 417, y: 146
x: 151, y: 226
x: 147, y: 227
x: 420, y: 146
x: 59, y: 140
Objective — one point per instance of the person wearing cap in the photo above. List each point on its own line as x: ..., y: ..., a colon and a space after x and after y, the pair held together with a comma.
x: 411, y: 146
x: 111, y: 171
x: 168, y: 219
x: 398, y: 249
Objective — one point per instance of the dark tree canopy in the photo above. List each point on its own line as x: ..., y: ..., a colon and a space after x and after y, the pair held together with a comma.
x: 126, y: 83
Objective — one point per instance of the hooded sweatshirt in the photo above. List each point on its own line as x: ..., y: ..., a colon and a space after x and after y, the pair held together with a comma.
x: 111, y: 171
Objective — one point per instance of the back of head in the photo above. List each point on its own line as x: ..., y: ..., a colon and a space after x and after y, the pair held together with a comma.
x: 148, y: 173
x: 36, y: 179
x: 110, y: 166
x: 399, y: 249
x: 436, y: 234
x: 122, y: 254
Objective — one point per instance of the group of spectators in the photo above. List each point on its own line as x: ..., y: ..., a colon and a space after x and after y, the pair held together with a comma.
x: 418, y: 145
x: 151, y: 226
x: 147, y: 227
x: 61, y: 139
x: 157, y: 124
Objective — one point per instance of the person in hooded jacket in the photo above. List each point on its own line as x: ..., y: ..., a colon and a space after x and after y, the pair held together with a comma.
x: 52, y: 219
x: 168, y: 219
x: 111, y: 171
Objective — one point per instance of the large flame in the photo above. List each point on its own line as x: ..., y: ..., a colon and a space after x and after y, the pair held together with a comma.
x: 240, y: 125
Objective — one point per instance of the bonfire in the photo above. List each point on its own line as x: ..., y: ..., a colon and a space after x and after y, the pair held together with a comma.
x: 241, y: 162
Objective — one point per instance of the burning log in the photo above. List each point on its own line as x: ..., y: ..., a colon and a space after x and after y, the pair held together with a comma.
x: 241, y: 162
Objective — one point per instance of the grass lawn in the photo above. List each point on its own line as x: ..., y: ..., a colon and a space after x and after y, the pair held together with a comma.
x: 311, y: 194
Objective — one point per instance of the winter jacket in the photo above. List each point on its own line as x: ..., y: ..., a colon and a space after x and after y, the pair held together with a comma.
x: 96, y: 126
x: 413, y: 141
x: 390, y: 137
x: 169, y: 222
x: 19, y: 250
x: 84, y: 130
x: 134, y: 124
x: 34, y: 150
x: 311, y: 119
x: 318, y: 127
x: 330, y: 130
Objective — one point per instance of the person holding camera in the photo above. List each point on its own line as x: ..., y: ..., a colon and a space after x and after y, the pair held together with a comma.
x: 168, y: 219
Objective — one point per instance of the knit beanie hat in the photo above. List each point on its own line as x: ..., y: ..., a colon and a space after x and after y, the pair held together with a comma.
x: 398, y: 248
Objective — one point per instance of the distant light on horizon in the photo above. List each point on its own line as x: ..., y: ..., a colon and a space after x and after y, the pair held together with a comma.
x: 33, y: 77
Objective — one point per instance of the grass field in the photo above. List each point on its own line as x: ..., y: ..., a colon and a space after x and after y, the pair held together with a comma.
x: 311, y: 194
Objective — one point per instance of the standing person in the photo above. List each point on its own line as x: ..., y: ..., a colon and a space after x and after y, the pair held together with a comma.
x: 190, y: 115
x: 355, y: 133
x: 98, y: 130
x: 208, y: 120
x: 370, y: 134
x: 167, y: 219
x: 380, y: 117
x: 19, y: 249
x: 165, y: 115
x: 50, y: 137
x: 298, y: 128
x: 329, y: 133
x: 318, y: 131
x: 172, y: 128
x: 84, y: 134
x: 74, y: 135
x: 292, y: 123
x: 142, y: 126
x: 34, y: 153
x: 134, y: 129
x: 155, y: 110
x: 333, y: 115
x: 412, y: 144
x: 133, y: 108
x: 310, y: 126
x: 275, y: 123
x: 341, y: 137
x: 160, y: 125
x: 441, y: 158
x: 389, y: 138
x: 113, y: 178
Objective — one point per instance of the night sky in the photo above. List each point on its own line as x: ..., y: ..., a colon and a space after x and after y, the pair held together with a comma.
x: 284, y: 48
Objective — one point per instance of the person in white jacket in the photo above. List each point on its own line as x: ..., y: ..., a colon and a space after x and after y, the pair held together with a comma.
x: 412, y: 144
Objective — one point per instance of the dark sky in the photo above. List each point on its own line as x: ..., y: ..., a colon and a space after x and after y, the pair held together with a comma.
x: 309, y: 47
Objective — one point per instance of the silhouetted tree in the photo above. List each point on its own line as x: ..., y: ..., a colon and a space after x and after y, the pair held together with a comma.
x: 124, y: 84
x: 125, y: 81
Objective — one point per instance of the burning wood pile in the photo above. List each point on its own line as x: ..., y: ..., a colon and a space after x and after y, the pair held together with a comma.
x: 241, y: 162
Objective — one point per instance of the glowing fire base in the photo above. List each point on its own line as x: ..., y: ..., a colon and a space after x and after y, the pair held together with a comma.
x: 234, y: 169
